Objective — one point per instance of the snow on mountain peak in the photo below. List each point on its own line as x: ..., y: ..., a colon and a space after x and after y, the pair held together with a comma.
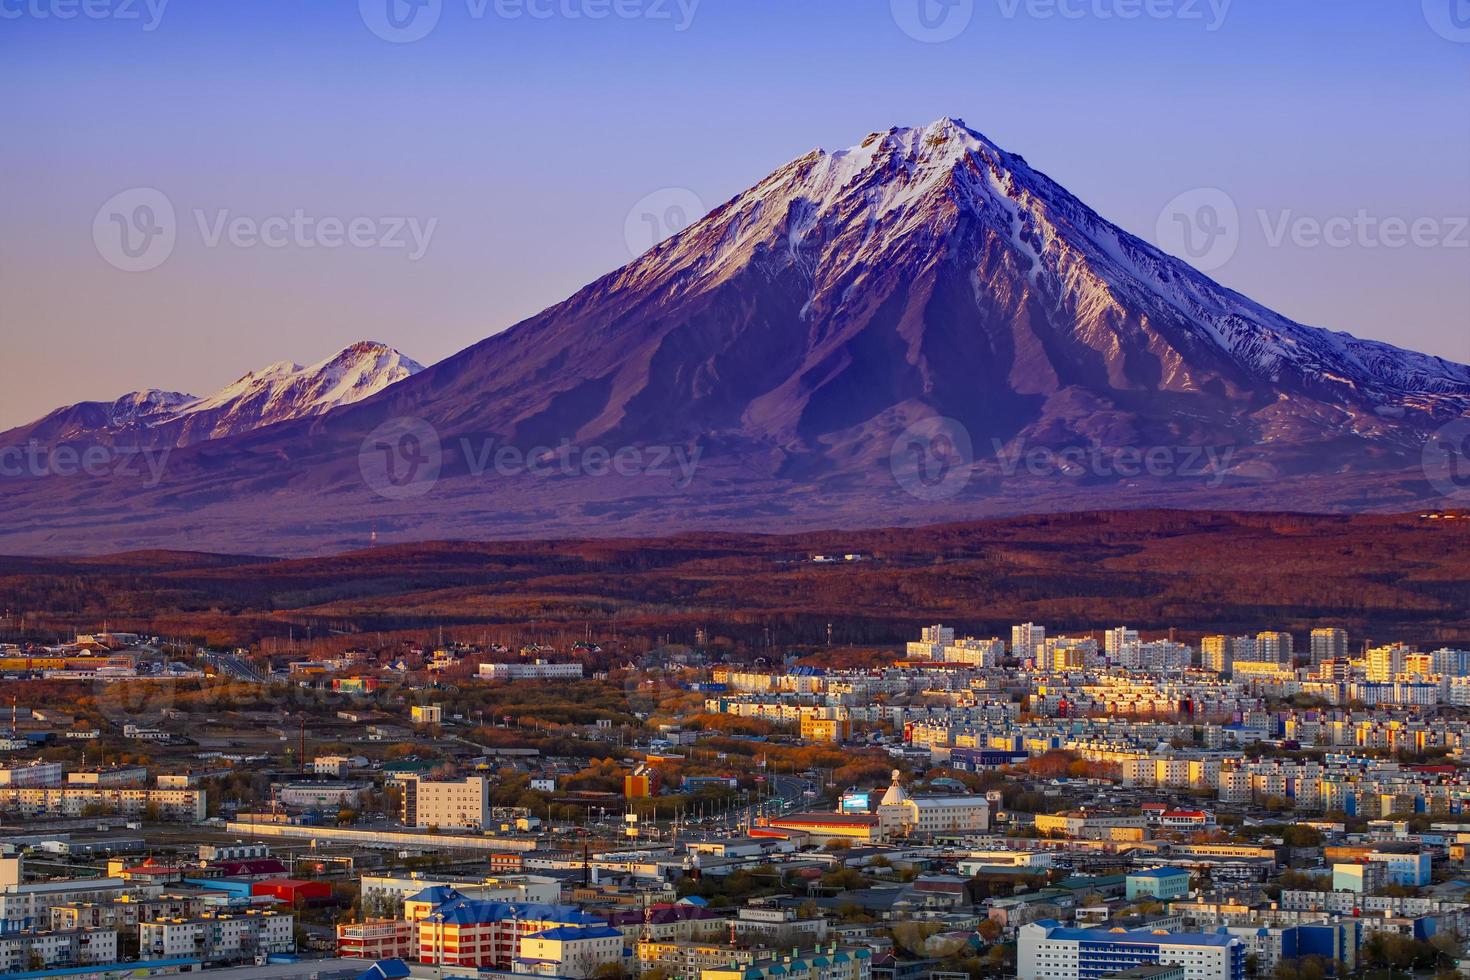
x: 287, y: 390
x: 281, y: 391
x: 903, y: 199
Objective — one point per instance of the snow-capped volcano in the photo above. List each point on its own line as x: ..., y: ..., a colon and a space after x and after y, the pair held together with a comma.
x: 795, y: 336
x: 278, y: 393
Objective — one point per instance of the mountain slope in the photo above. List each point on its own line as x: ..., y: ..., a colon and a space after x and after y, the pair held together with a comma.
x: 278, y: 393
x: 921, y: 327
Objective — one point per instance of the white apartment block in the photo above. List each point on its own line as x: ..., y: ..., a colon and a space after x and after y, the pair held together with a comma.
x: 71, y: 947
x: 1026, y: 640
x: 187, y: 805
x: 219, y: 937
x: 33, y: 774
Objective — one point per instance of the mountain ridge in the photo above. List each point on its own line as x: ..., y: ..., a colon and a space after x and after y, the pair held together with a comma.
x: 279, y: 392
x: 871, y: 334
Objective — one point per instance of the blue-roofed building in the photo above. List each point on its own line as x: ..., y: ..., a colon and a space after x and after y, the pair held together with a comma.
x: 490, y: 935
x: 386, y: 970
x: 1047, y: 950
x: 570, y: 951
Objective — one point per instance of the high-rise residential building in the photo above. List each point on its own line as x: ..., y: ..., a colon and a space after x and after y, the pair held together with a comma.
x: 1121, y: 646
x: 1216, y: 653
x: 1274, y: 646
x: 976, y: 653
x: 1451, y: 663
x: 942, y: 635
x: 1026, y: 639
x: 1329, y: 643
x: 461, y: 804
x: 1386, y: 663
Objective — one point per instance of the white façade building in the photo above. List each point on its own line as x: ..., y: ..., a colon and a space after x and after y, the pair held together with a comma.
x: 1047, y: 950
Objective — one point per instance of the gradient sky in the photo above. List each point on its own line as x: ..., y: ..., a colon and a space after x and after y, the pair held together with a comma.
x: 530, y: 140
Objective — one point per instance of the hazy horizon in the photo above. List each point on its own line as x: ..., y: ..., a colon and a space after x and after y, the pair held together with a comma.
x: 518, y: 156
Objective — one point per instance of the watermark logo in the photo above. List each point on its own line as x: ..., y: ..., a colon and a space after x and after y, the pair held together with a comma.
x: 406, y: 21
x: 401, y: 459
x: 400, y: 21
x: 660, y: 215
x: 1363, y: 229
x: 135, y: 230
x: 307, y: 231
x: 1211, y: 14
x: 36, y: 460
x: 148, y: 13
x: 1446, y: 460
x: 1201, y: 226
x: 677, y: 464
x: 932, y: 21
x: 1204, y: 227
x: 1208, y: 463
x: 1450, y: 19
x: 932, y: 459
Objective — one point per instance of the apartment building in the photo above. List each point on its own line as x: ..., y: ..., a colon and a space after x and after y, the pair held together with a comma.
x: 185, y: 805
x: 1047, y: 950
x: 1329, y: 643
x: 219, y: 937
x: 71, y: 947
x: 32, y: 774
x: 461, y: 804
x: 27, y: 905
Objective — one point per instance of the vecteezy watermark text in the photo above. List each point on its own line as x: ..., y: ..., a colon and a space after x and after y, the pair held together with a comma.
x: 34, y: 459
x: 1211, y: 463
x: 403, y: 458
x: 566, y: 459
x: 1204, y: 227
x: 406, y: 21
x: 936, y: 21
x: 148, y: 13
x: 136, y: 230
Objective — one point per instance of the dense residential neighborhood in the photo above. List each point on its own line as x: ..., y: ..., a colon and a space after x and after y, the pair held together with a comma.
x: 1052, y: 807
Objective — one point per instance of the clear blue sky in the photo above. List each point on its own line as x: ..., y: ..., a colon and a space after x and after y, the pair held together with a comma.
x: 528, y: 139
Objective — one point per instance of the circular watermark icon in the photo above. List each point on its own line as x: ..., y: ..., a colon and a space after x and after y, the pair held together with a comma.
x: 659, y: 215
x: 1201, y: 226
x: 401, y: 458
x: 1450, y: 19
x: 933, y: 458
x: 135, y: 230
x: 1446, y: 460
x: 400, y: 21
x: 932, y: 21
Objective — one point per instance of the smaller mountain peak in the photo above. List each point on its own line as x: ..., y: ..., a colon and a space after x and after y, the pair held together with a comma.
x: 367, y: 347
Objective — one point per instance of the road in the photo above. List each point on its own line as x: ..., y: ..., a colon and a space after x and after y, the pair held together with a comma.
x: 231, y: 666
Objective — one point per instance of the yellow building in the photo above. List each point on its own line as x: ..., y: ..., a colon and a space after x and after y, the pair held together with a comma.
x: 819, y: 729
x: 823, y: 963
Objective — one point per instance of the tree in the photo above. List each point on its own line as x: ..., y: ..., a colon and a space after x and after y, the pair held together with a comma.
x: 1301, y: 835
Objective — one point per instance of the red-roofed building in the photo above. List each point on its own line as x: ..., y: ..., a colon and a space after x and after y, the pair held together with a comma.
x: 293, y: 892
x: 1187, y: 819
x: 856, y: 826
